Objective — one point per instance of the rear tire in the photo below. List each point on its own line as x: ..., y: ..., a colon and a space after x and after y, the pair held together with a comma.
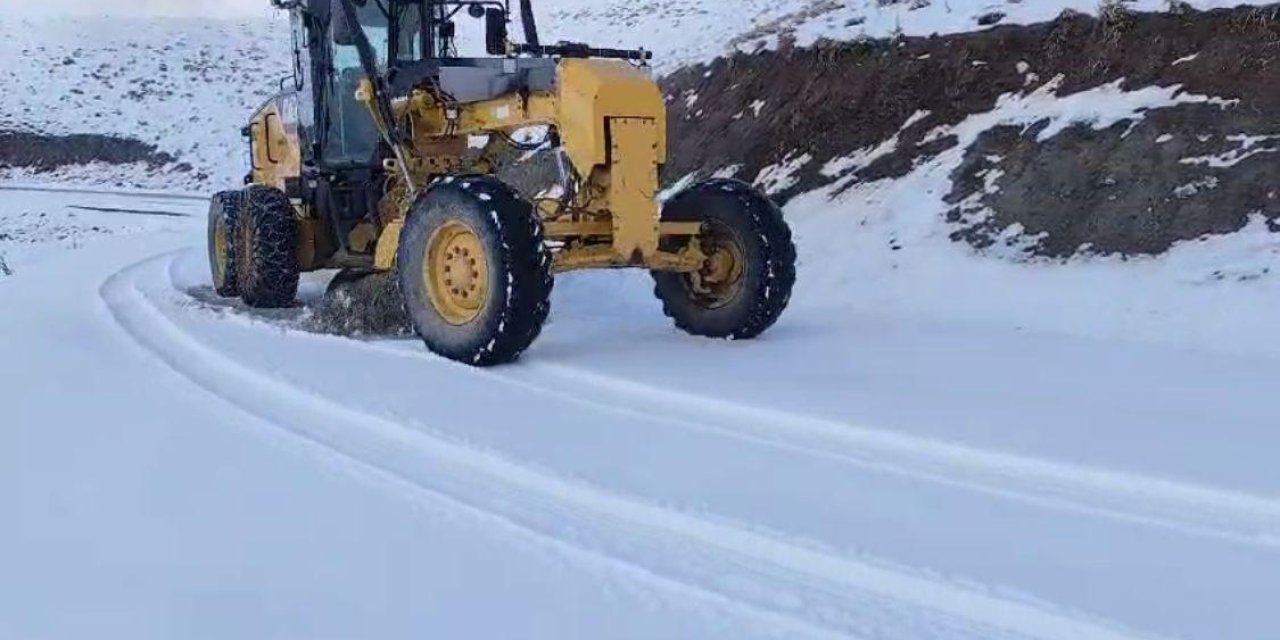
x: 747, y: 279
x: 224, y: 210
x: 474, y: 272
x: 267, y: 249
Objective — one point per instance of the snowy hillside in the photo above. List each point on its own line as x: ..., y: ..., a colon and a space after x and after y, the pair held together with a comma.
x: 682, y: 32
x: 184, y: 86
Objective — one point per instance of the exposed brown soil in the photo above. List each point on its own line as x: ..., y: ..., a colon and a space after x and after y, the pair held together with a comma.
x: 1111, y: 191
x: 44, y: 153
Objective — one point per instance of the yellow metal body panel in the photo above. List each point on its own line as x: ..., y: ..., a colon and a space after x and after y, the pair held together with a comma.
x: 588, y: 94
x: 594, y: 91
x: 557, y: 229
x: 633, y: 187
x: 508, y: 112
x: 274, y: 146
x: 384, y: 257
x: 308, y: 244
x: 601, y: 256
x: 611, y: 120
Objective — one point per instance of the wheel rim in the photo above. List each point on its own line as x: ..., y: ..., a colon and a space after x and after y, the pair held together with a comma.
x: 723, y: 272
x: 456, y: 273
x: 220, y: 253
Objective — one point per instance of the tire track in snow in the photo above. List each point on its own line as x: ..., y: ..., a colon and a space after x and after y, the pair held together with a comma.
x: 812, y: 590
x: 387, y: 461
x: 1231, y: 516
x: 1190, y: 509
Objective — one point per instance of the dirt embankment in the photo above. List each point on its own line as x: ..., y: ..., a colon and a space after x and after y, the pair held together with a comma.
x: 1127, y: 189
x: 44, y: 153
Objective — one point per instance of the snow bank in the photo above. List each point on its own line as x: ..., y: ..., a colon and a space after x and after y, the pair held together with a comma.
x: 885, y: 248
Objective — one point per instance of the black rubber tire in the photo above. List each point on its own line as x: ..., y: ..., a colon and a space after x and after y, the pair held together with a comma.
x: 224, y: 210
x: 519, y: 267
x: 769, y: 253
x: 267, y: 249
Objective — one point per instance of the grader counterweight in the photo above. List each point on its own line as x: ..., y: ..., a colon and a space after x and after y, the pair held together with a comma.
x: 368, y: 163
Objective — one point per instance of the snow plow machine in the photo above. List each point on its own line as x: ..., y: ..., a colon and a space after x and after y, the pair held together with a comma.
x: 381, y: 157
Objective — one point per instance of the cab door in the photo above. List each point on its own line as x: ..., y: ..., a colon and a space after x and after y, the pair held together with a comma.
x: 350, y: 136
x: 304, y: 107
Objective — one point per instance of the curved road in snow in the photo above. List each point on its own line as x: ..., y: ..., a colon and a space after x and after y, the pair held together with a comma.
x: 185, y: 467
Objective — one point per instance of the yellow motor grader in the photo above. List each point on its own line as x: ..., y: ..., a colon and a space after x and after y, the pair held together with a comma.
x: 382, y: 158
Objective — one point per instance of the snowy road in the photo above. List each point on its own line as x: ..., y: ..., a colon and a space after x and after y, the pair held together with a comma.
x: 181, y: 468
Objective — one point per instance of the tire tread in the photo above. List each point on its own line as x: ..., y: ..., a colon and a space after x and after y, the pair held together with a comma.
x: 770, y: 299
x: 526, y: 262
x: 267, y: 271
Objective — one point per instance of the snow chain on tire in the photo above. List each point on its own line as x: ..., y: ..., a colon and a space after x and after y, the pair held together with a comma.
x: 224, y: 211
x: 516, y: 270
x: 267, y: 249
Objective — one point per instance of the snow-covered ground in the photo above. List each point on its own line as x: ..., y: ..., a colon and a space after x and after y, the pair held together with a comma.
x: 179, y: 467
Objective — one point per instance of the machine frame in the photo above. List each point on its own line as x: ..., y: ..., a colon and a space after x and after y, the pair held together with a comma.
x: 605, y: 118
x: 388, y: 158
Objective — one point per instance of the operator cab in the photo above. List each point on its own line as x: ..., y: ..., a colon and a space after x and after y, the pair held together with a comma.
x: 320, y: 145
x: 412, y: 42
x: 351, y: 137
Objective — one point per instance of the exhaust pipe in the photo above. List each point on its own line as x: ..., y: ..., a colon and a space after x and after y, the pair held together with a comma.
x: 529, y: 22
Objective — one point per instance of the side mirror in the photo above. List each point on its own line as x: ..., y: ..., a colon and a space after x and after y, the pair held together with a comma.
x: 495, y: 31
x: 344, y: 33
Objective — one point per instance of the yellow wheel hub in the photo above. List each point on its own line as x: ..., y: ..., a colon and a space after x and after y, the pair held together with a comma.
x: 456, y: 273
x: 720, y: 279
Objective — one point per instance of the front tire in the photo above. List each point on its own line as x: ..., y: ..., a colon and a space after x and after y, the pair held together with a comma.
x: 746, y: 281
x: 474, y: 271
x: 267, y: 249
x: 224, y: 210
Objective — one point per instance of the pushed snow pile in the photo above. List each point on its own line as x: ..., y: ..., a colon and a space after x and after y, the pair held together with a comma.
x: 359, y: 305
x: 162, y: 101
